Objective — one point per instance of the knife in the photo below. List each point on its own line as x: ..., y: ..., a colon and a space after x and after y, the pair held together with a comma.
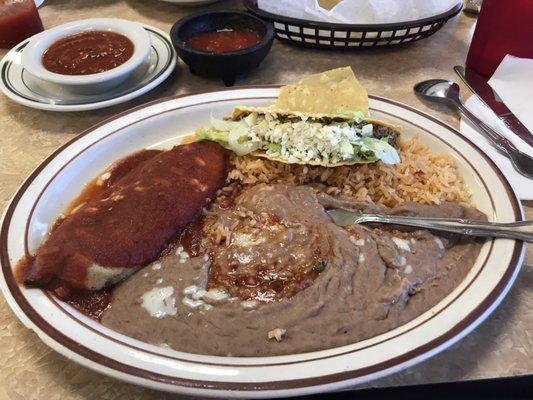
x: 478, y: 85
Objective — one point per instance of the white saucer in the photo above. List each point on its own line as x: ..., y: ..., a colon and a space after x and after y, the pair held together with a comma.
x: 22, y: 87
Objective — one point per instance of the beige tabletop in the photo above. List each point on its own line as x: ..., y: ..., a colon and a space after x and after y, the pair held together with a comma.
x: 501, y: 346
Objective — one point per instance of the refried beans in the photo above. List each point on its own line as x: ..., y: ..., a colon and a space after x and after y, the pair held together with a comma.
x: 241, y: 292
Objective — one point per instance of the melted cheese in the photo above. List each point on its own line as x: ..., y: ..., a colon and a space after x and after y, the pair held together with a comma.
x: 159, y: 302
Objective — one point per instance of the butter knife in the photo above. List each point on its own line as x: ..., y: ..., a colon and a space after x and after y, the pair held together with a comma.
x: 522, y: 230
x: 478, y: 85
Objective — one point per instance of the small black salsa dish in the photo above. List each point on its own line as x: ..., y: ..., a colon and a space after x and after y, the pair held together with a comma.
x: 223, y: 43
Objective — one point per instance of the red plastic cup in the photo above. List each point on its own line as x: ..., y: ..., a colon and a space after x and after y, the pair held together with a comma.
x: 503, y: 27
x: 19, y: 19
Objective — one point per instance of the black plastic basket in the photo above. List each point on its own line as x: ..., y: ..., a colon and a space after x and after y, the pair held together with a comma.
x: 347, y: 36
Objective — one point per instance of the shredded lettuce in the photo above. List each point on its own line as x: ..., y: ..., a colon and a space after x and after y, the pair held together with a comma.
x: 357, y: 116
x: 273, y: 147
x: 346, y: 148
x: 233, y: 135
x: 220, y: 137
x: 367, y: 130
x: 364, y: 153
x: 242, y: 138
x: 239, y: 140
x: 222, y: 124
x: 382, y: 149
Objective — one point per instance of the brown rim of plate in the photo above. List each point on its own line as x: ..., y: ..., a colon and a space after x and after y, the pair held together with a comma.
x: 108, y: 362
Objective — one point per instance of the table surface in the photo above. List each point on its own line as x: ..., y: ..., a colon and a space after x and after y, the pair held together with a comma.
x: 501, y: 346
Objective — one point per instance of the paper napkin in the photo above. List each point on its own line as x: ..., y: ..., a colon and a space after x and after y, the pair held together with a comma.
x: 513, y: 82
x: 359, y: 11
x: 522, y: 185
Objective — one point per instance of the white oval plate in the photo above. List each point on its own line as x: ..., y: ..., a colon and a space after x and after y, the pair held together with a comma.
x: 22, y: 87
x: 51, y: 187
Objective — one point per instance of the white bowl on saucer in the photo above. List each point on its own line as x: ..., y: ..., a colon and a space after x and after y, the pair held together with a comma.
x: 93, y: 83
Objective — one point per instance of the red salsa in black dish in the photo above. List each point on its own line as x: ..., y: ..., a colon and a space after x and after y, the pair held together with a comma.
x: 88, y: 53
x: 223, y: 41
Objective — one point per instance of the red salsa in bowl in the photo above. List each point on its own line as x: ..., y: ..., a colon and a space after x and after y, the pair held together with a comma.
x: 88, y: 53
x: 223, y: 41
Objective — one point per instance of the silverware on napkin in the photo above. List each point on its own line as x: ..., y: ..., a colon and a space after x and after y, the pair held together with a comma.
x: 515, y: 230
x: 443, y: 91
x: 479, y: 86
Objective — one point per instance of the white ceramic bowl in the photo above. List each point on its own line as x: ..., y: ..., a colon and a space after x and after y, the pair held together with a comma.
x: 93, y: 83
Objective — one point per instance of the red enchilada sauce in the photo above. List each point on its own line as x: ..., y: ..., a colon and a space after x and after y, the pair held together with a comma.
x: 88, y: 53
x: 90, y: 302
x: 223, y: 41
x: 107, y: 225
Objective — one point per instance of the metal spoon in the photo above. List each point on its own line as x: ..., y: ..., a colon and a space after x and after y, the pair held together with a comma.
x: 447, y: 92
x: 515, y: 230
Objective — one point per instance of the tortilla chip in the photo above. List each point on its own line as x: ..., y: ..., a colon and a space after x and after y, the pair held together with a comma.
x: 336, y: 91
x: 328, y: 4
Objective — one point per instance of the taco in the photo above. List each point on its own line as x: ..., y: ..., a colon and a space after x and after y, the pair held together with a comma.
x: 295, y: 131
